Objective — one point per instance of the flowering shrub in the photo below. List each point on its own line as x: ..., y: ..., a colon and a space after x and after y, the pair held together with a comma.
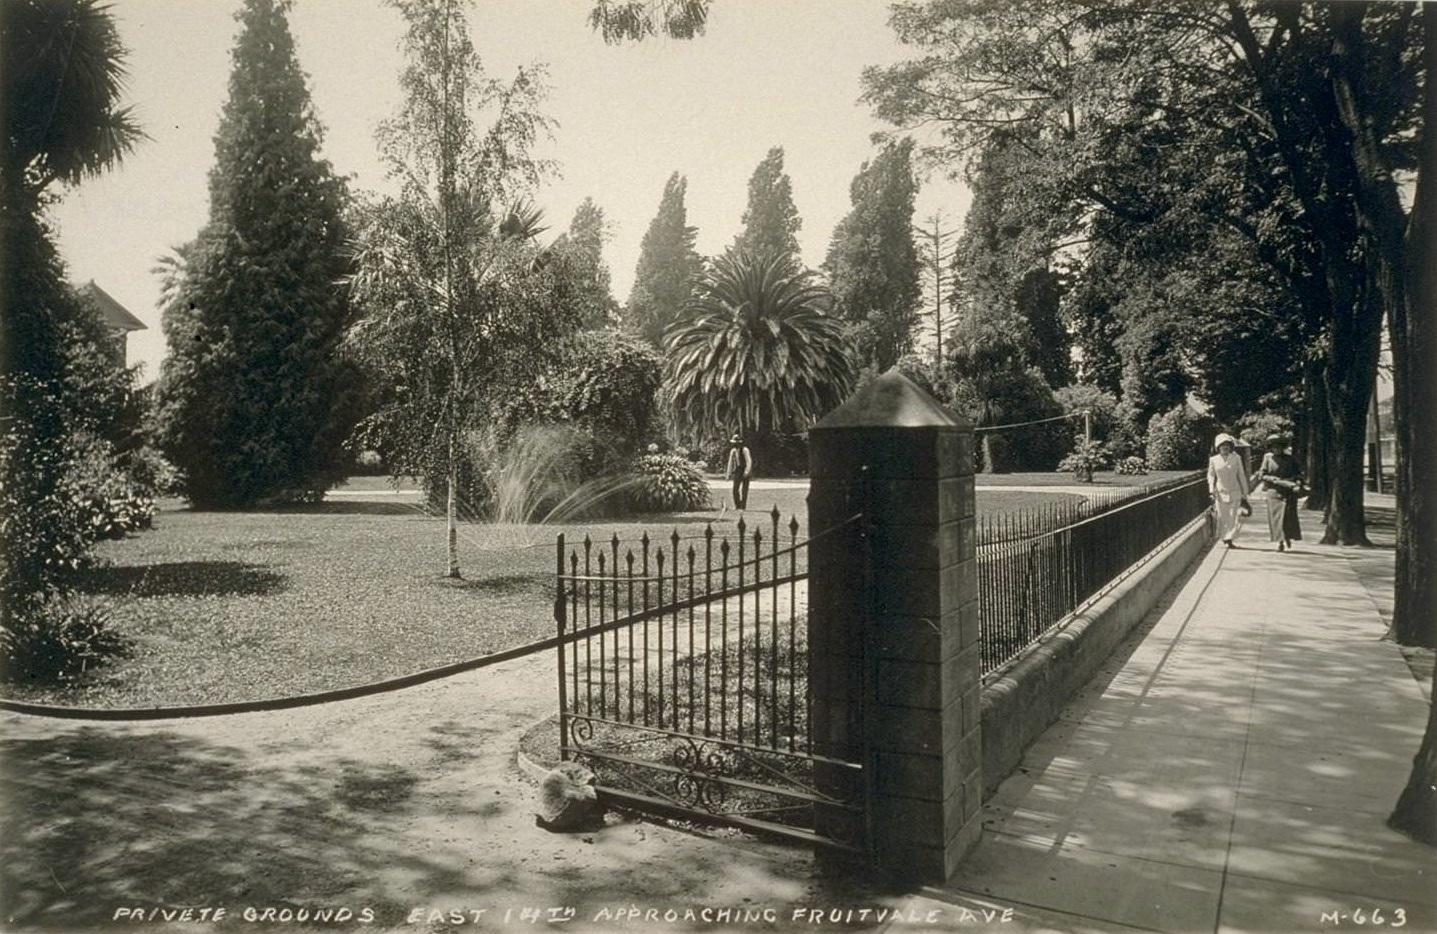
x: 114, y: 517
x: 668, y: 483
x: 1087, y: 457
x: 1131, y: 466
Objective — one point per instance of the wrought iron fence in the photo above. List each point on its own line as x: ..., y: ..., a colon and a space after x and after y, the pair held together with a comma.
x: 1036, y: 567
x: 683, y: 669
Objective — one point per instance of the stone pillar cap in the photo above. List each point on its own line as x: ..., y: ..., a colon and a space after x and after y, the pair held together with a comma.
x: 890, y: 401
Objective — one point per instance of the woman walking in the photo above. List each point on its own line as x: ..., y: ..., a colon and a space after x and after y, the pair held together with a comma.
x: 1227, y: 483
x: 1280, y: 479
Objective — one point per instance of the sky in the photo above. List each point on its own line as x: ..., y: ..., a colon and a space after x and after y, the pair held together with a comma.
x: 765, y: 73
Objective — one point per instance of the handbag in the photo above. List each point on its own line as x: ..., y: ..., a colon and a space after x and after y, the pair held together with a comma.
x: 1244, y: 508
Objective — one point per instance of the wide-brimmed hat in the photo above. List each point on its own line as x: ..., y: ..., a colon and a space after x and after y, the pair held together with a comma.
x: 1278, y: 441
x: 736, y: 439
x: 1224, y: 438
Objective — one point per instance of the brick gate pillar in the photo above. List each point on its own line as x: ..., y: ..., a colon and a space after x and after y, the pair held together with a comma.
x: 894, y: 666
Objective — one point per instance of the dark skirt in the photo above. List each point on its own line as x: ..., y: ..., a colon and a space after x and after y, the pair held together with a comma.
x: 1282, y: 523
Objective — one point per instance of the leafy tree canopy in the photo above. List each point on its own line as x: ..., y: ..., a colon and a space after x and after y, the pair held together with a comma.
x: 581, y: 250
x: 462, y: 306
x: 771, y: 221
x: 872, y: 264
x: 667, y: 269
x: 633, y: 20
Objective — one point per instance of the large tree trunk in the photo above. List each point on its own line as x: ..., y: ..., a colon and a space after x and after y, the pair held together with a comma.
x: 1414, y: 343
x: 1416, y: 810
x: 1402, y: 277
x: 1351, y: 371
x: 1318, y: 437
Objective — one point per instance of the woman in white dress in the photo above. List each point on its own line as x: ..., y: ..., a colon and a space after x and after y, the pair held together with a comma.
x: 1227, y: 482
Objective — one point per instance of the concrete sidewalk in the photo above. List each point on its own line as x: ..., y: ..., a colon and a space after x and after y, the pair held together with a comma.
x: 1232, y: 773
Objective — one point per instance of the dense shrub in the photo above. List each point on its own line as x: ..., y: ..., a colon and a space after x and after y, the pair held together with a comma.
x: 1086, y: 457
x: 1177, y: 440
x: 1012, y: 406
x: 582, y: 422
x: 608, y: 387
x: 59, y: 640
x: 1256, y: 427
x: 369, y: 463
x: 668, y: 483
x: 153, y: 473
x: 782, y: 455
x: 44, y: 528
x: 1131, y: 466
x: 113, y: 495
x: 1110, y: 421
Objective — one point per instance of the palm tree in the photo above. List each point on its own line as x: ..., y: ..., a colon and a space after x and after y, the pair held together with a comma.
x: 61, y: 71
x: 755, y: 350
x: 64, y: 71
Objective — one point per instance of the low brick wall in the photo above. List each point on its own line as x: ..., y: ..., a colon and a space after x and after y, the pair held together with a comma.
x: 1026, y: 698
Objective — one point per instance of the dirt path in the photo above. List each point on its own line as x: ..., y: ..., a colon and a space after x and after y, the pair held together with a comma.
x: 371, y: 810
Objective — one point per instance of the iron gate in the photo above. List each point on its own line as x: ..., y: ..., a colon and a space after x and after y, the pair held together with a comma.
x: 683, y: 681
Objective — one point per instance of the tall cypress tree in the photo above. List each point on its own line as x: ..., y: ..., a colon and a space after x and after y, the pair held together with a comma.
x: 583, y: 250
x: 256, y: 403
x: 771, y: 221
x: 872, y: 261
x: 667, y: 269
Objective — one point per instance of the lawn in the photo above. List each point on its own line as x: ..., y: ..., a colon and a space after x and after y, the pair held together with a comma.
x: 229, y: 606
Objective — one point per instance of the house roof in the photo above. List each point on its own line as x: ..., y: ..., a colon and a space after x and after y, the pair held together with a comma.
x: 114, y: 314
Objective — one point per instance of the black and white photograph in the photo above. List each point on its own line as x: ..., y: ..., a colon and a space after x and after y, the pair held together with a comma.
x: 718, y: 466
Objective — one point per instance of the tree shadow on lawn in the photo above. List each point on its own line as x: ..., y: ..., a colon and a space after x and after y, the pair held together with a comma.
x: 356, y: 507
x: 182, y: 579
x: 506, y: 585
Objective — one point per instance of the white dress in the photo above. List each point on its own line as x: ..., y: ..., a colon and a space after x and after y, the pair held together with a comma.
x: 1227, y: 482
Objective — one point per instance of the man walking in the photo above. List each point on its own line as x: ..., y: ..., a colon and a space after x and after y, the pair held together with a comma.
x: 740, y: 469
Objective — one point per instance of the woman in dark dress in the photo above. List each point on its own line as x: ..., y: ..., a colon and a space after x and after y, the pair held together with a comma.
x: 1280, y: 477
